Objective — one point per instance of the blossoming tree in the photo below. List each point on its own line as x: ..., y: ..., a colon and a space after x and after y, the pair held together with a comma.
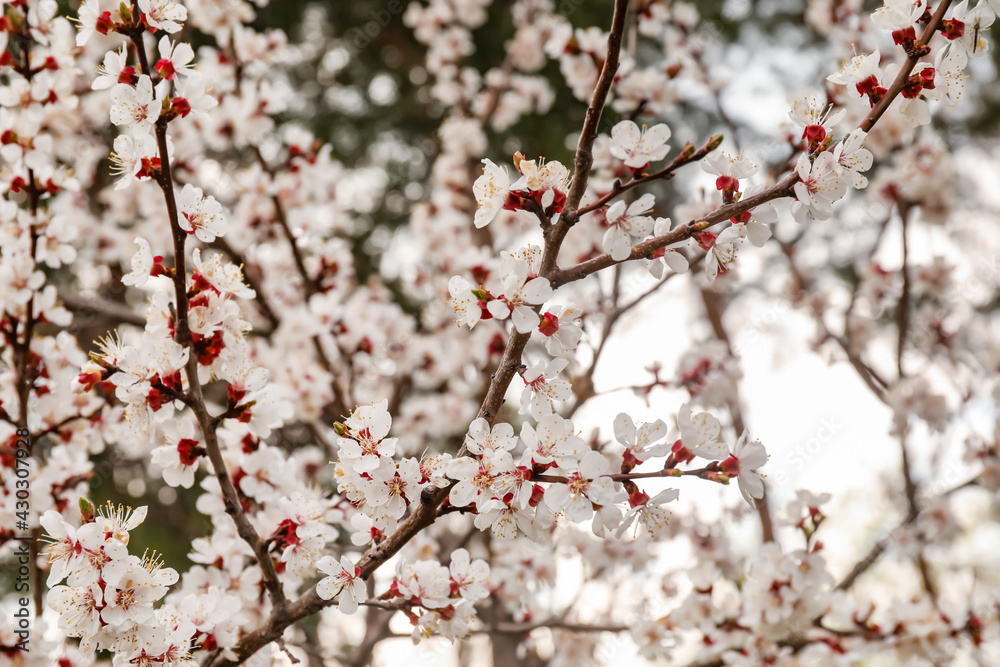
x: 355, y: 462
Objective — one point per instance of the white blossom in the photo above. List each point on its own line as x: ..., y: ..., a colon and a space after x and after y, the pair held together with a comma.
x: 639, y: 147
x: 343, y: 581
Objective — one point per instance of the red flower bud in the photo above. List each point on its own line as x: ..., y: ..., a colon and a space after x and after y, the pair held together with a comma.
x: 128, y: 76
x: 727, y: 183
x: 104, y: 23
x: 730, y: 467
x: 637, y: 498
x: 706, y: 239
x: 189, y: 451
x: 904, y: 37
x: 549, y: 325
x: 536, y: 495
x: 682, y: 453
x: 89, y: 380
x: 181, y: 106
x: 165, y: 68
x: 814, y: 134
x: 952, y: 28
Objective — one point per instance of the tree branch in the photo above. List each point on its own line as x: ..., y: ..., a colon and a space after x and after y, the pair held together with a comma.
x: 714, y: 309
x: 183, y: 336
x: 116, y: 312
x: 781, y: 189
x: 919, y: 50
x: 680, y: 233
x: 308, y: 284
x: 879, y: 548
x: 687, y: 156
x: 425, y: 512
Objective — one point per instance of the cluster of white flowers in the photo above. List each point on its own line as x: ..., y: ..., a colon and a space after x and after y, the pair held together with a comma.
x: 368, y: 474
x: 556, y: 473
x: 109, y: 596
x: 147, y: 378
x: 439, y: 600
x: 447, y: 594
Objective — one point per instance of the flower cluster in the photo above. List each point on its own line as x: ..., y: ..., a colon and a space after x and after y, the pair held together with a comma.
x: 367, y: 472
x: 441, y: 600
x: 557, y: 474
x: 109, y: 596
x: 541, y: 189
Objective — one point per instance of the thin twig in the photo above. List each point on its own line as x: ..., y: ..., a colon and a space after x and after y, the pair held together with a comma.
x: 687, y: 156
x: 583, y: 384
x: 903, y: 307
x: 902, y: 326
x: 68, y: 420
x: 116, y: 312
x: 678, y: 234
x: 868, y: 375
x: 525, y: 628
x: 714, y: 309
x: 879, y: 548
x: 308, y: 283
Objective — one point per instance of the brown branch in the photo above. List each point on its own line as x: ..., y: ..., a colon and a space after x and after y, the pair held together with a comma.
x: 496, y: 91
x: 584, y: 157
x: 687, y: 156
x: 868, y: 375
x: 610, y: 320
x: 919, y: 50
x: 880, y: 547
x: 25, y: 380
x: 903, y: 307
x: 341, y: 402
x: 583, y: 384
x: 340, y: 406
x: 524, y: 628
x: 284, y: 649
x: 58, y: 425
x: 913, y: 510
x: 308, y: 284
x: 183, y: 336
x: 425, y: 512
x: 680, y: 233
x: 25, y: 384
x: 25, y: 375
x: 116, y: 312
x: 704, y: 473
x: 902, y: 326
